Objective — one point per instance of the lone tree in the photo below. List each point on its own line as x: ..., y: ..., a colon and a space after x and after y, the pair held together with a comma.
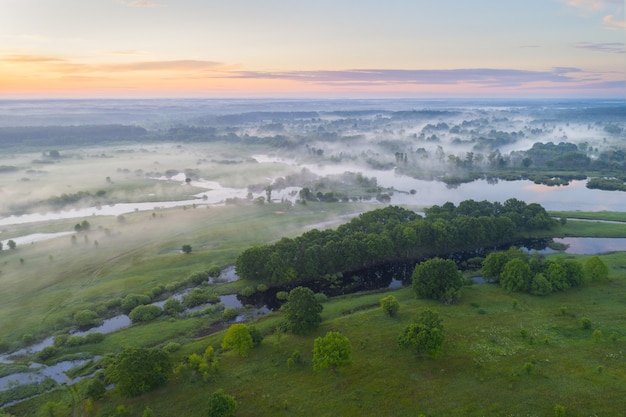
x: 138, y: 370
x: 594, y: 268
x: 11, y: 244
x: 186, y: 248
x: 221, y: 404
x: 424, y: 335
x: 390, y: 305
x: 331, y: 351
x: 238, y: 338
x: 302, y: 310
x: 437, y: 279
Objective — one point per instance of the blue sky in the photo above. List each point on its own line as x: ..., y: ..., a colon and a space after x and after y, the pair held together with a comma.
x: 321, y: 48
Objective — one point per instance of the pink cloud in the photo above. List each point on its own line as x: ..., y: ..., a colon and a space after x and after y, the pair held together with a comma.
x: 613, y: 22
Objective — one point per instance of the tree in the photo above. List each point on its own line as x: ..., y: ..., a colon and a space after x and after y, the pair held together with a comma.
x: 424, y: 335
x: 331, y: 351
x: 138, y: 370
x: 238, y: 338
x: 221, y: 404
x: 302, y: 310
x: 390, y: 305
x: 594, y: 268
x: 540, y: 285
x: 437, y: 279
x: 516, y: 276
x: 11, y: 244
x: 186, y: 248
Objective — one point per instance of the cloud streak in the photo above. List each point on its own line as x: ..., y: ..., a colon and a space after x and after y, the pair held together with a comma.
x: 481, y: 76
x: 612, y: 47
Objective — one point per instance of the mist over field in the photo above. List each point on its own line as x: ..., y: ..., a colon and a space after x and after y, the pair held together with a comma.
x: 105, y: 200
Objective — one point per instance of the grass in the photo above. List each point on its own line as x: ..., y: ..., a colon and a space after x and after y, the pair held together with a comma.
x: 487, y: 367
x: 505, y: 354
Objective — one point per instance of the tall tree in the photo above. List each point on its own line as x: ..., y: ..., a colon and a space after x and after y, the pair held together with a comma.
x: 302, y: 310
x: 437, y: 279
x: 596, y: 269
x: 138, y: 370
x: 424, y: 335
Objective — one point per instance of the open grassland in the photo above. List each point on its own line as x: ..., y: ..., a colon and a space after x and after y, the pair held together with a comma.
x: 594, y: 215
x: 58, y: 277
x: 504, y: 355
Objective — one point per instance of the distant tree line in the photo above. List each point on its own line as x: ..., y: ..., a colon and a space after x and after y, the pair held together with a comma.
x: 390, y: 234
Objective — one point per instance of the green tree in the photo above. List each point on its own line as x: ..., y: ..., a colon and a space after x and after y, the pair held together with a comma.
x: 424, y: 335
x: 331, y: 351
x: 390, y: 305
x: 186, y: 248
x: 516, y: 276
x: 302, y: 310
x: 221, y: 404
x: 147, y: 412
x: 540, y: 285
x: 11, y: 244
x: 138, y: 370
x: 437, y: 279
x: 596, y: 269
x: 238, y: 338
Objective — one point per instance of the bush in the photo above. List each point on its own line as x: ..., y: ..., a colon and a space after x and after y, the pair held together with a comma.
x: 247, y: 292
x: 585, y: 323
x: 171, y: 347
x: 85, y: 318
x: 47, y: 352
x: 195, y: 298
x: 256, y: 335
x: 73, y: 341
x: 221, y: 405
x: 60, y: 340
x: 390, y: 305
x: 133, y: 300
x: 173, y: 307
x: 145, y: 313
x: 229, y: 313
x: 198, y: 278
x: 93, y: 338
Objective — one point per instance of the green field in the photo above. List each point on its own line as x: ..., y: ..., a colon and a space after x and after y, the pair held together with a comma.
x: 504, y: 354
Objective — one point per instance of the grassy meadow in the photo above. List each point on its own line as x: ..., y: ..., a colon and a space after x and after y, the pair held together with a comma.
x: 504, y: 354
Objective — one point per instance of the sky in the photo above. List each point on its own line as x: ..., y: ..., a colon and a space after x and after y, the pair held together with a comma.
x: 312, y: 48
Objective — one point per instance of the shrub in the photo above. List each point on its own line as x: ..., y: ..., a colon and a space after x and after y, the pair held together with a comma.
x: 145, y: 313
x: 47, y: 352
x: 173, y: 307
x: 133, y: 300
x: 171, y: 347
x: 195, y: 298
x: 282, y: 295
x: 256, y: 335
x: 247, y: 292
x: 86, y: 318
x: 93, y: 338
x: 585, y: 323
x: 60, y: 340
x: 390, y: 305
x: 198, y: 278
x: 221, y: 405
x: 73, y: 341
x: 229, y: 313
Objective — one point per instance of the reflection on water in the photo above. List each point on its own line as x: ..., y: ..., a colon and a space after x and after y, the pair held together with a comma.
x: 427, y: 193
x: 592, y: 245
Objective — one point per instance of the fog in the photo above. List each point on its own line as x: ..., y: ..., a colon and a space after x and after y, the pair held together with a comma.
x: 225, y: 146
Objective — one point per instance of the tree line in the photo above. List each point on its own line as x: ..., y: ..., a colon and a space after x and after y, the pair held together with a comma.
x: 391, y: 234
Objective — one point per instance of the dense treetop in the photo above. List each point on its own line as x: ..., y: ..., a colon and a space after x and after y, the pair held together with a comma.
x: 388, y: 234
